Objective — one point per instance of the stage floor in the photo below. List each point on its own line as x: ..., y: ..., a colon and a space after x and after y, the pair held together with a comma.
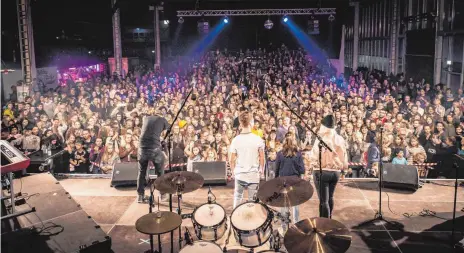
x: 116, y: 210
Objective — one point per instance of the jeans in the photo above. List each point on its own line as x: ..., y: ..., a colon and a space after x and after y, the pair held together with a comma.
x: 329, y: 182
x: 240, y: 187
x: 156, y: 156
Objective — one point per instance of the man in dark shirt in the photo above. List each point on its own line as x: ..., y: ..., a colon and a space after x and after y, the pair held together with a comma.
x: 150, y: 150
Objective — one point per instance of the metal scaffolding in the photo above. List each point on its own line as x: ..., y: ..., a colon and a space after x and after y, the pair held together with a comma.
x: 256, y: 12
x: 117, y: 41
x: 26, y: 41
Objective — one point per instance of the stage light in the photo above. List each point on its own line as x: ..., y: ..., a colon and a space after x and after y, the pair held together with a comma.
x: 226, y: 20
x: 166, y: 22
x: 153, y: 51
x: 331, y: 18
x: 90, y: 52
x: 180, y: 20
x: 449, y: 63
x: 285, y: 19
x: 268, y: 24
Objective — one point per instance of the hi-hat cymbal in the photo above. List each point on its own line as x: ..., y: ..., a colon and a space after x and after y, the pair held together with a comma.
x: 158, y: 223
x: 285, y: 191
x: 317, y: 235
x: 179, y: 181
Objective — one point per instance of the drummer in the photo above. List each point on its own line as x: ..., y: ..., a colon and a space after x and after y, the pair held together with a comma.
x: 332, y: 164
x: 289, y: 162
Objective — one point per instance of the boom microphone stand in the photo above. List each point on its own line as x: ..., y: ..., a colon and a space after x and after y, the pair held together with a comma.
x: 168, y: 134
x: 321, y: 145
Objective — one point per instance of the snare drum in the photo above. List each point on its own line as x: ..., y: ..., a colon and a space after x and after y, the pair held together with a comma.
x: 201, y: 246
x: 209, y: 221
x: 252, y: 224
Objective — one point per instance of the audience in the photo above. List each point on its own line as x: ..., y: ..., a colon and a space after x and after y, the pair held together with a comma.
x: 98, y: 121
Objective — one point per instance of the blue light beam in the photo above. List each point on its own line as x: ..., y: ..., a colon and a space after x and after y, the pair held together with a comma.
x: 201, y: 46
x: 306, y: 42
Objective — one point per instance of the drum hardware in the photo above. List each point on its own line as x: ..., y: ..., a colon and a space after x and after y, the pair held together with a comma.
x: 211, y: 196
x: 158, y: 223
x: 227, y: 241
x: 186, y: 216
x: 179, y: 182
x: 317, y: 235
x: 275, y: 243
x: 188, y: 237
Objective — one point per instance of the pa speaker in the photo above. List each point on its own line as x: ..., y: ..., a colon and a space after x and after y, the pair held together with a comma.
x: 212, y: 172
x: 125, y: 174
x: 400, y: 176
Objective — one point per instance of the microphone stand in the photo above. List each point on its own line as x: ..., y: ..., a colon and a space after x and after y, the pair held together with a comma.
x: 321, y: 145
x: 168, y: 134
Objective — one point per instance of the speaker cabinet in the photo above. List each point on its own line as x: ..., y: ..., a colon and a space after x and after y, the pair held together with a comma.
x: 400, y: 176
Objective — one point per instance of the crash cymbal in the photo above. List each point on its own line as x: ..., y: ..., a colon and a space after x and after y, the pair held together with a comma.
x: 185, y: 181
x: 158, y: 223
x: 285, y: 191
x: 317, y: 235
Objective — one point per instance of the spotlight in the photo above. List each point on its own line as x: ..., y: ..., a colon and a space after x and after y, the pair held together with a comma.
x: 90, y: 52
x: 331, y: 18
x: 268, y: 24
x: 226, y: 20
x: 152, y: 51
x: 285, y: 19
x: 181, y: 20
x: 449, y: 63
x: 166, y: 22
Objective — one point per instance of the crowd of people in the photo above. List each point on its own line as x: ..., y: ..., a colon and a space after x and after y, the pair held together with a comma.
x: 99, y: 121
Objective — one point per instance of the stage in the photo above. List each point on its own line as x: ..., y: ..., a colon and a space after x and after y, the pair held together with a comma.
x: 116, y: 211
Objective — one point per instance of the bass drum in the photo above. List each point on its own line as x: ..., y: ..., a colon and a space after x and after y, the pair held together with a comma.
x: 201, y: 246
x: 252, y: 224
x: 209, y: 221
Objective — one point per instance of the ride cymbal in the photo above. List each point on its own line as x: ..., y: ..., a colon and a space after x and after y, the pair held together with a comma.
x: 317, y: 235
x: 158, y: 223
x: 179, y: 182
x: 285, y: 191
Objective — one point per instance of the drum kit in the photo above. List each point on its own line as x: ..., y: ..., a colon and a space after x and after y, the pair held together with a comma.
x: 251, y: 222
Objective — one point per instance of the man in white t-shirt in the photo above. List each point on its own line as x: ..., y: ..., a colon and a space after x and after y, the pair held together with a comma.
x: 246, y: 158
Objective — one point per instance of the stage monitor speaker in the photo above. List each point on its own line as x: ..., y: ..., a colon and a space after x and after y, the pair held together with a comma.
x: 125, y: 174
x: 400, y: 176
x: 212, y: 172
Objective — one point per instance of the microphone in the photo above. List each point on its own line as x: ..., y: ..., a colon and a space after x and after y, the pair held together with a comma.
x: 188, y: 237
x: 194, y: 96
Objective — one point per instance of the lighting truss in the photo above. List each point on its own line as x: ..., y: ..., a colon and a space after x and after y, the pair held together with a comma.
x: 256, y: 12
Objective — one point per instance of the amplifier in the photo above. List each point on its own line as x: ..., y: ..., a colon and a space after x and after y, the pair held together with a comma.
x: 400, y: 176
x: 212, y: 172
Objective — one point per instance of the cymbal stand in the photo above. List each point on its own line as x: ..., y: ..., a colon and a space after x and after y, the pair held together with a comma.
x: 180, y: 189
x: 150, y: 210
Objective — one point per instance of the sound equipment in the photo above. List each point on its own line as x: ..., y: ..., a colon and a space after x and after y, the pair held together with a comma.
x: 212, y: 172
x: 125, y: 174
x: 58, y: 225
x: 400, y: 176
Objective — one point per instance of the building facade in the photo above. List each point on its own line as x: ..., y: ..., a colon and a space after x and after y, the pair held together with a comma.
x: 421, y: 38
